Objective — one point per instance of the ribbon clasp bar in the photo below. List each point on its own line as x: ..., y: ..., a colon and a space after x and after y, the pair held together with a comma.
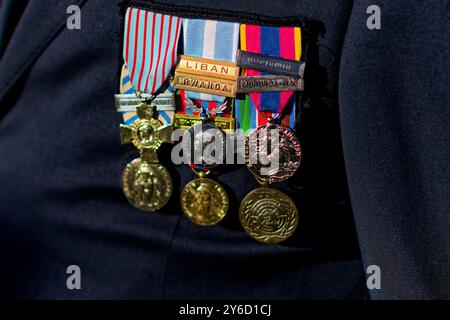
x: 269, y: 84
x: 208, y: 76
x: 208, y: 67
x: 129, y: 102
x: 202, y: 84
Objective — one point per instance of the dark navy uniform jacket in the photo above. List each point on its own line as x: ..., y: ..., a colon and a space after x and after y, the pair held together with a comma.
x: 373, y: 188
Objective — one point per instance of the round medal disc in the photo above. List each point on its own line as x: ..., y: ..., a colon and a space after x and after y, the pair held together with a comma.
x: 145, y: 134
x: 268, y: 215
x: 204, y: 202
x: 204, y: 145
x: 147, y: 186
x: 272, y: 153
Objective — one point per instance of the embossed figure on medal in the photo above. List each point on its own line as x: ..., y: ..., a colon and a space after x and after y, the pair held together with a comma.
x: 146, y: 183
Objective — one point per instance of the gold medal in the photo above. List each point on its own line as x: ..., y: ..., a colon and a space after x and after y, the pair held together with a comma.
x: 204, y: 201
x: 146, y: 133
x: 147, y: 186
x: 268, y: 215
x: 146, y: 183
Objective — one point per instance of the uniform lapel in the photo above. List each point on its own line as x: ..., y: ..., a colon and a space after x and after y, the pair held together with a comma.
x: 39, y: 25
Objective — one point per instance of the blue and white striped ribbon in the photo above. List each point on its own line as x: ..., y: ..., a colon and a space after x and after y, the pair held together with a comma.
x: 150, y: 47
x: 165, y: 116
x: 210, y: 39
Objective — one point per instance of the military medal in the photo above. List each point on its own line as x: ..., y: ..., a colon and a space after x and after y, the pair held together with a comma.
x: 146, y: 183
x: 283, y: 161
x: 147, y: 186
x: 204, y: 201
x: 272, y: 151
x: 206, y: 76
x: 268, y: 215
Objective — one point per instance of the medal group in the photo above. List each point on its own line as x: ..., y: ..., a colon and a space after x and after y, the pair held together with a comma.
x: 229, y: 77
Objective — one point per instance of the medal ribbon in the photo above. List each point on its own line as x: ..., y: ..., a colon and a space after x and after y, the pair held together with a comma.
x: 150, y: 48
x: 131, y: 116
x: 248, y: 118
x: 216, y: 109
x: 125, y: 81
x: 284, y: 42
x: 210, y: 39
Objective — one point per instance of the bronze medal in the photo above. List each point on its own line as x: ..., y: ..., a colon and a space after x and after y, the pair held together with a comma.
x: 268, y: 215
x: 147, y: 186
x: 275, y: 165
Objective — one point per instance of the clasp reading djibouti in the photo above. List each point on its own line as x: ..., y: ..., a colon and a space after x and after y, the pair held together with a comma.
x: 270, y: 83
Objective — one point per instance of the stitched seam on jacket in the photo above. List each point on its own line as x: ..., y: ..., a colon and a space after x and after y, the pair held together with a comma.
x: 223, y: 15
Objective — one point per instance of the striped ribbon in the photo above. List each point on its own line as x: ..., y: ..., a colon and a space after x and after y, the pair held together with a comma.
x: 248, y: 118
x: 212, y: 40
x: 150, y: 47
x: 216, y: 109
x: 284, y: 42
x: 125, y: 81
x: 129, y: 117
